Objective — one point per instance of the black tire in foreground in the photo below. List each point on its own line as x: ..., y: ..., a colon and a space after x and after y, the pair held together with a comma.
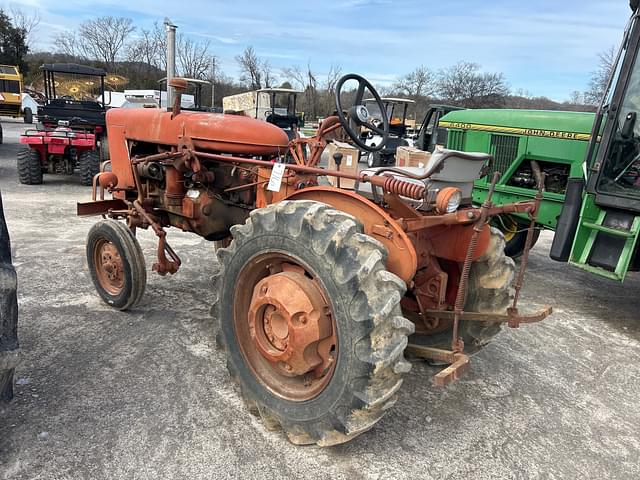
x: 28, y: 116
x: 488, y: 291
x: 116, y: 264
x: 29, y: 166
x: 89, y: 166
x: 323, y: 247
x: 9, y: 348
x: 104, y: 149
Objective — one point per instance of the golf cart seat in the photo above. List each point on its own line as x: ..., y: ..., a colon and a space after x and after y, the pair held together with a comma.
x: 282, y: 121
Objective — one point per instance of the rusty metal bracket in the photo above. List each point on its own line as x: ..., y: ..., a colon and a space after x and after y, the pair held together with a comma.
x: 459, y: 362
x: 511, y: 317
x: 457, y: 344
x: 513, y: 310
x: 163, y: 265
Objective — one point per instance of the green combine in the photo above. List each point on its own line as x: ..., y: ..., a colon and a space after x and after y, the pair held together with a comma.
x: 525, y: 144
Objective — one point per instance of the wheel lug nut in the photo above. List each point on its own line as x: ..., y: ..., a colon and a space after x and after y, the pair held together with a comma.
x: 288, y: 367
x: 264, y: 289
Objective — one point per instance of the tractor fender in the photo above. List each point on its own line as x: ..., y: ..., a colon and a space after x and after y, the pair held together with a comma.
x: 402, y: 259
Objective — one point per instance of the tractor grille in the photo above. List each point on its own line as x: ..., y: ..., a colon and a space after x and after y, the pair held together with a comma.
x: 455, y: 139
x: 504, y: 149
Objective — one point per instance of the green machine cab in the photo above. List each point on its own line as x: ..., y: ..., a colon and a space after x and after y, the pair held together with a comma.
x: 600, y: 222
x: 592, y: 165
x: 524, y: 144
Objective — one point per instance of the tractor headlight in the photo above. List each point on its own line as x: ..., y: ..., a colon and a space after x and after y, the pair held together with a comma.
x: 448, y: 200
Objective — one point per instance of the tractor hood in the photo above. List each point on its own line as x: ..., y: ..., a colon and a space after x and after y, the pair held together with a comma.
x: 208, y: 131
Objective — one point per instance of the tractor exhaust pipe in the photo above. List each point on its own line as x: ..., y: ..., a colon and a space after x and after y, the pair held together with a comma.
x: 171, y: 57
x: 179, y: 86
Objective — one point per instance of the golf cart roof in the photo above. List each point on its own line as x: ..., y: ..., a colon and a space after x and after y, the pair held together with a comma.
x: 389, y: 100
x: 73, y: 68
x: 279, y: 90
x: 189, y: 80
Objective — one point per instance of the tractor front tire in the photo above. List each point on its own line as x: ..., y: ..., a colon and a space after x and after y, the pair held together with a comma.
x: 29, y: 166
x: 298, y: 253
x: 116, y: 264
x: 89, y: 166
x: 488, y: 291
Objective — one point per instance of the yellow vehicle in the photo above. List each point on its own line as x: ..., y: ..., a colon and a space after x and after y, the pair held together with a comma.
x: 11, y: 86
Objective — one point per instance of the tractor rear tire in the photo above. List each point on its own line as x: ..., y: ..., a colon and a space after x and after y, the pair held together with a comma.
x: 29, y: 166
x: 328, y: 249
x: 116, y: 264
x: 489, y: 291
x: 89, y: 166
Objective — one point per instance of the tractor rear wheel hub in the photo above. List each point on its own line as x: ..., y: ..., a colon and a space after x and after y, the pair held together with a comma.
x: 288, y: 317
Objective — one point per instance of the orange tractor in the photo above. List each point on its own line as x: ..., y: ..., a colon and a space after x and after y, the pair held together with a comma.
x: 319, y: 289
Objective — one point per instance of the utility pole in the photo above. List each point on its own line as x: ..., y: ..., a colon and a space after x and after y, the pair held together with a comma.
x: 171, y: 57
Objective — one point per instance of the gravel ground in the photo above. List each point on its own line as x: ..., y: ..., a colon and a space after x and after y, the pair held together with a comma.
x: 145, y: 394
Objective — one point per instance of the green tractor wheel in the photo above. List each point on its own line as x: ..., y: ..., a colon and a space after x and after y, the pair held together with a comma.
x: 515, y: 234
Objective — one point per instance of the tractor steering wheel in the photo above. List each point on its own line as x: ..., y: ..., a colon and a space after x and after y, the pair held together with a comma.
x: 358, y: 115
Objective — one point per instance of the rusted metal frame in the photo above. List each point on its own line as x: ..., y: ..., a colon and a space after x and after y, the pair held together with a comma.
x: 389, y: 184
x: 465, y: 216
x: 163, y: 265
x: 100, y: 207
x: 538, y: 316
x: 456, y: 343
x: 156, y: 157
x: 513, y: 310
x: 459, y: 362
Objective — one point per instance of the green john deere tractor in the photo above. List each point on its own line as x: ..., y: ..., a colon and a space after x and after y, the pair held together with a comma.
x: 592, y: 200
x: 600, y: 221
x: 525, y: 144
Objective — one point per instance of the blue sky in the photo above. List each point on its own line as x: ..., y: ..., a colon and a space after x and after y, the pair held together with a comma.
x: 546, y: 47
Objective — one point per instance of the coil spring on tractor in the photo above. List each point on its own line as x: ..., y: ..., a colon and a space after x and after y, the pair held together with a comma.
x: 403, y: 188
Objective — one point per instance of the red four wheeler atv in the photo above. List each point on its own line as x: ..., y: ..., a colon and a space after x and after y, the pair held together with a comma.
x: 72, y: 134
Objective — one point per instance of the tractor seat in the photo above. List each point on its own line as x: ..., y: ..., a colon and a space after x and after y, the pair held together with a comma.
x: 447, y: 168
x: 454, y: 166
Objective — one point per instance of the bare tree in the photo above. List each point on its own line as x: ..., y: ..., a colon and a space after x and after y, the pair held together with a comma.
x: 68, y: 43
x: 600, y: 78
x: 25, y: 21
x: 148, y: 48
x: 267, y: 74
x: 250, y: 68
x: 194, y: 59
x: 576, y: 98
x: 464, y: 84
x: 104, y: 38
x: 421, y: 82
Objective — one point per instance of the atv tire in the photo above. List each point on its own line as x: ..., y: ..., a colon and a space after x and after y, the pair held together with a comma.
x: 488, y: 291
x: 29, y: 166
x: 364, y: 301
x: 28, y: 116
x: 89, y: 166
